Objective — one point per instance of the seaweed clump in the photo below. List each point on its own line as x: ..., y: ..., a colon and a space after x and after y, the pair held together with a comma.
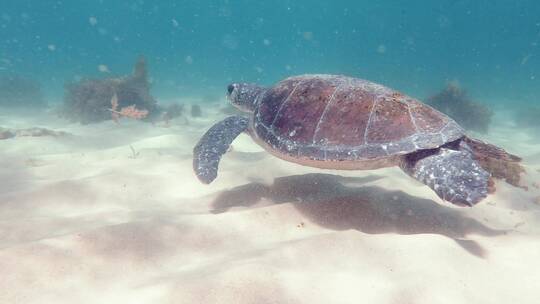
x: 170, y: 112
x: 95, y: 100
x: 31, y: 132
x: 18, y: 91
x: 455, y: 102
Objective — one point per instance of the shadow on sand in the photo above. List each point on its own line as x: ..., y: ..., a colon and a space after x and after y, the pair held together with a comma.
x: 342, y: 203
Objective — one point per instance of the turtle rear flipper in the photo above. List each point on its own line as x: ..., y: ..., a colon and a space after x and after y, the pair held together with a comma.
x: 497, y: 161
x: 454, y: 175
x: 214, y: 143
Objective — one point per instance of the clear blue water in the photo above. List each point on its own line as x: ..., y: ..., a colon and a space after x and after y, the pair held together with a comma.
x: 197, y: 47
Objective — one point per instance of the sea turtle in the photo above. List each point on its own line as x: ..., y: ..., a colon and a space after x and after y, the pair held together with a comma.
x: 339, y: 122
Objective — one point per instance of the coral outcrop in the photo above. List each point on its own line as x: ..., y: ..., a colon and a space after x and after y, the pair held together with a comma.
x: 455, y: 102
x: 95, y: 100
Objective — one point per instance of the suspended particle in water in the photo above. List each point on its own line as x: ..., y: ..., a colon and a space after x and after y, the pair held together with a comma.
x: 92, y: 20
x: 259, y: 22
x: 381, y: 49
x: 409, y: 40
x: 288, y: 67
x: 267, y: 42
x: 307, y: 35
x: 230, y: 42
x: 103, y: 68
x: 188, y: 59
x: 259, y: 69
x: 51, y: 47
x: 525, y: 59
x: 443, y: 21
x: 175, y: 23
x: 224, y: 12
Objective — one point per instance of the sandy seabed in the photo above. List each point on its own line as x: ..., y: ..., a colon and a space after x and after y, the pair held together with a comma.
x: 114, y: 214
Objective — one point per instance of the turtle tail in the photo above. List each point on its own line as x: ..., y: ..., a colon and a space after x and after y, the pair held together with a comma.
x: 499, y: 163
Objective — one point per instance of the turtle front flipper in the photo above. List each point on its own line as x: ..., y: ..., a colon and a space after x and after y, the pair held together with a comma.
x: 214, y: 143
x: 454, y: 175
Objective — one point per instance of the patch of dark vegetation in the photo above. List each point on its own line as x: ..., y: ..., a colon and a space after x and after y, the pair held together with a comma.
x: 20, y: 92
x: 95, y: 100
x: 30, y: 132
x: 171, y: 112
x: 456, y: 103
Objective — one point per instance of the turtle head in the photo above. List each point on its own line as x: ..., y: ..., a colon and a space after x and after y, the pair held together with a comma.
x: 244, y: 95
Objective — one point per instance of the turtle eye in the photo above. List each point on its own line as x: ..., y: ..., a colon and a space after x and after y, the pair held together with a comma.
x: 230, y: 88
